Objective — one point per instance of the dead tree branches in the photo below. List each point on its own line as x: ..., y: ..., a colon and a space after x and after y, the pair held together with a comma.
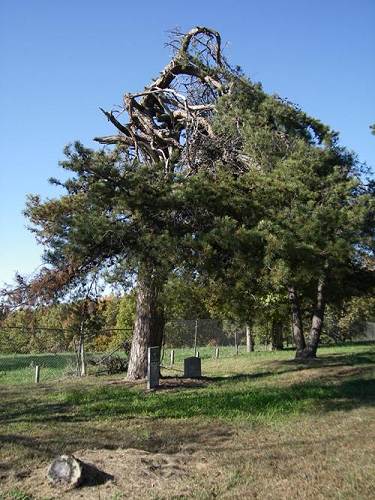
x: 171, y: 117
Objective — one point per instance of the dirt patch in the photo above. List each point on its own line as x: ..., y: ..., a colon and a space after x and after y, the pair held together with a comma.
x: 175, y: 383
x: 165, y: 383
x: 124, y: 473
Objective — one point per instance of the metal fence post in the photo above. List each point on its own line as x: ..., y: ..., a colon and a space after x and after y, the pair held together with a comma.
x: 195, y: 337
x: 37, y: 374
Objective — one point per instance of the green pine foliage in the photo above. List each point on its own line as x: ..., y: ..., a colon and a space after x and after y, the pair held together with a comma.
x: 296, y: 208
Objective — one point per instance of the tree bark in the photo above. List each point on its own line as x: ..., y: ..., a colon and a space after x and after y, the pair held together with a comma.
x: 316, y: 322
x: 148, y: 326
x: 157, y: 323
x: 81, y: 366
x: 249, y: 339
x: 299, y: 338
x: 309, y: 351
x: 277, y: 336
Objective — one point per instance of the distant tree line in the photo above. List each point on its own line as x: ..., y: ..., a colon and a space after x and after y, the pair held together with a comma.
x: 55, y: 328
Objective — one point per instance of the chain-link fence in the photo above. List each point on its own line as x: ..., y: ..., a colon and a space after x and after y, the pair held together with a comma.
x: 46, y: 354
x: 62, y: 354
x: 211, y: 333
x: 362, y: 331
x: 209, y: 338
x: 50, y: 353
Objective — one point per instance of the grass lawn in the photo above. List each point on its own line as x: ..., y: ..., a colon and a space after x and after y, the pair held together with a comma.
x: 257, y: 425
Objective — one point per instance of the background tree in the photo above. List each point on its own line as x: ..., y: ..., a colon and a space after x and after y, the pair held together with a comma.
x: 305, y: 203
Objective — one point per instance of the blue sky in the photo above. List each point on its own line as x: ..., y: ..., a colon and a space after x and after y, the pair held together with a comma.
x: 60, y: 61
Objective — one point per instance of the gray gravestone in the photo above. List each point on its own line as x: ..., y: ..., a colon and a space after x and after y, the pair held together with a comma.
x: 153, y: 368
x: 192, y: 367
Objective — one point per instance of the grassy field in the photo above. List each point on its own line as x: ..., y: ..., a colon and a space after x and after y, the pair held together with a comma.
x: 257, y: 425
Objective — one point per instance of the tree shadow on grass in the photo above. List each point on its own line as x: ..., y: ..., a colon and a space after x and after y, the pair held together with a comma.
x: 171, y: 382
x: 89, y: 425
x: 335, y: 360
x: 113, y: 416
x: 352, y: 358
x: 229, y: 397
x: 224, y: 401
x: 146, y: 435
x: 280, y: 367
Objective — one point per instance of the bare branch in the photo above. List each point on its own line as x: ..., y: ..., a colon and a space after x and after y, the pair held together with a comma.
x: 162, y: 118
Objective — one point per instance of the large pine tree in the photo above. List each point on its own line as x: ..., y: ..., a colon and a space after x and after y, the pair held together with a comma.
x: 210, y: 173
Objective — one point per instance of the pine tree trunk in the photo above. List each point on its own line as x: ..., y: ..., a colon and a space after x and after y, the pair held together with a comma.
x: 157, y: 325
x: 148, y: 327
x: 299, y: 338
x: 249, y: 339
x: 316, y: 322
x: 277, y: 336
